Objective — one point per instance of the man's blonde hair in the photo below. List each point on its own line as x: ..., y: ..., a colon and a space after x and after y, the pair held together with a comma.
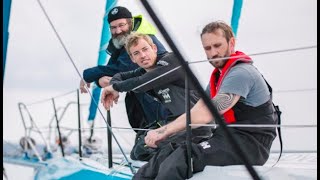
x: 134, y: 37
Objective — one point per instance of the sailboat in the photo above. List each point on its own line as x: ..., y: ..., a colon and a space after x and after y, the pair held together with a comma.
x: 298, y: 159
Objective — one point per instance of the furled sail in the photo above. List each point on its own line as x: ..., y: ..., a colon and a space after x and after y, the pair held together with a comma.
x: 6, y: 17
x: 102, y: 59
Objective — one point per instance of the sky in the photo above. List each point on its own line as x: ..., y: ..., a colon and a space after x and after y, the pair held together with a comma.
x: 37, y: 66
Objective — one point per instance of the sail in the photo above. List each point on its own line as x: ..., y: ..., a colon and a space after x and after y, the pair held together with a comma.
x: 105, y: 37
x: 5, y: 37
x: 6, y: 17
x: 236, y: 12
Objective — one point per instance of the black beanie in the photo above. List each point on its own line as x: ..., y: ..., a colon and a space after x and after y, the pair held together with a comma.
x: 118, y: 12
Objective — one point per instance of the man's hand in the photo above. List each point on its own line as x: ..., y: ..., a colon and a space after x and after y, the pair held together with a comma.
x: 155, y: 136
x: 109, y: 95
x: 104, y: 81
x: 83, y: 89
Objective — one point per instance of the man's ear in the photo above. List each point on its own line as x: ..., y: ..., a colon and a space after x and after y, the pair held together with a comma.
x: 154, y: 47
x: 232, y: 43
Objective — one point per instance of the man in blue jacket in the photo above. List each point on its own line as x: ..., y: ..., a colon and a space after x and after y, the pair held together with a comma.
x: 121, y: 25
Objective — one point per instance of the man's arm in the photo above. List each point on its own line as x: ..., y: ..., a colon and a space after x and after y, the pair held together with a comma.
x: 84, y: 86
x: 95, y: 73
x: 200, y: 114
x: 104, y: 81
x: 153, y: 78
x: 122, y: 76
x: 108, y: 96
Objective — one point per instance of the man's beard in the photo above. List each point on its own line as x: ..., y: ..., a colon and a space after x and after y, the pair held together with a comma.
x: 221, y: 63
x: 120, y: 39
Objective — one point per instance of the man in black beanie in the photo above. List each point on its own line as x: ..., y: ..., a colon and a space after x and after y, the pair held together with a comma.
x: 118, y: 12
x: 142, y: 109
x: 119, y: 17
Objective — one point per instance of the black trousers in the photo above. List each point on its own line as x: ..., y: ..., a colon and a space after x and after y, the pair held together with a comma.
x: 171, y: 161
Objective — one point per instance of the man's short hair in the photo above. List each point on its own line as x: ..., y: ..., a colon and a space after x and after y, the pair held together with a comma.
x: 214, y: 26
x: 133, y: 39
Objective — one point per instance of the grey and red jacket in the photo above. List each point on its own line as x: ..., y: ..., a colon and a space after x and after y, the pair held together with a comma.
x: 241, y: 113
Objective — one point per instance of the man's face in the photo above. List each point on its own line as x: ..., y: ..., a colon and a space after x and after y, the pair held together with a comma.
x: 120, y: 29
x: 215, y: 45
x: 144, y: 54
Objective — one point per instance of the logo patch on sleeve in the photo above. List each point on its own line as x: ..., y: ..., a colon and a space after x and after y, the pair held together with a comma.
x: 162, y: 63
x: 205, y: 144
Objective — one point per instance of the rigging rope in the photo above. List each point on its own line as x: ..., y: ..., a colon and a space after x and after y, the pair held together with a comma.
x: 58, y: 36
x: 50, y: 99
x: 72, y: 61
x: 258, y: 54
x: 225, y: 58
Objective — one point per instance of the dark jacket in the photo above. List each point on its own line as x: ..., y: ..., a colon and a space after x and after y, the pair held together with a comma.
x: 166, y: 82
x: 120, y: 62
x: 169, y: 89
x: 119, y: 59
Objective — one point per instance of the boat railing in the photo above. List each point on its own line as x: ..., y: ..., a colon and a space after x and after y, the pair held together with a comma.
x: 55, y: 123
x: 31, y: 126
